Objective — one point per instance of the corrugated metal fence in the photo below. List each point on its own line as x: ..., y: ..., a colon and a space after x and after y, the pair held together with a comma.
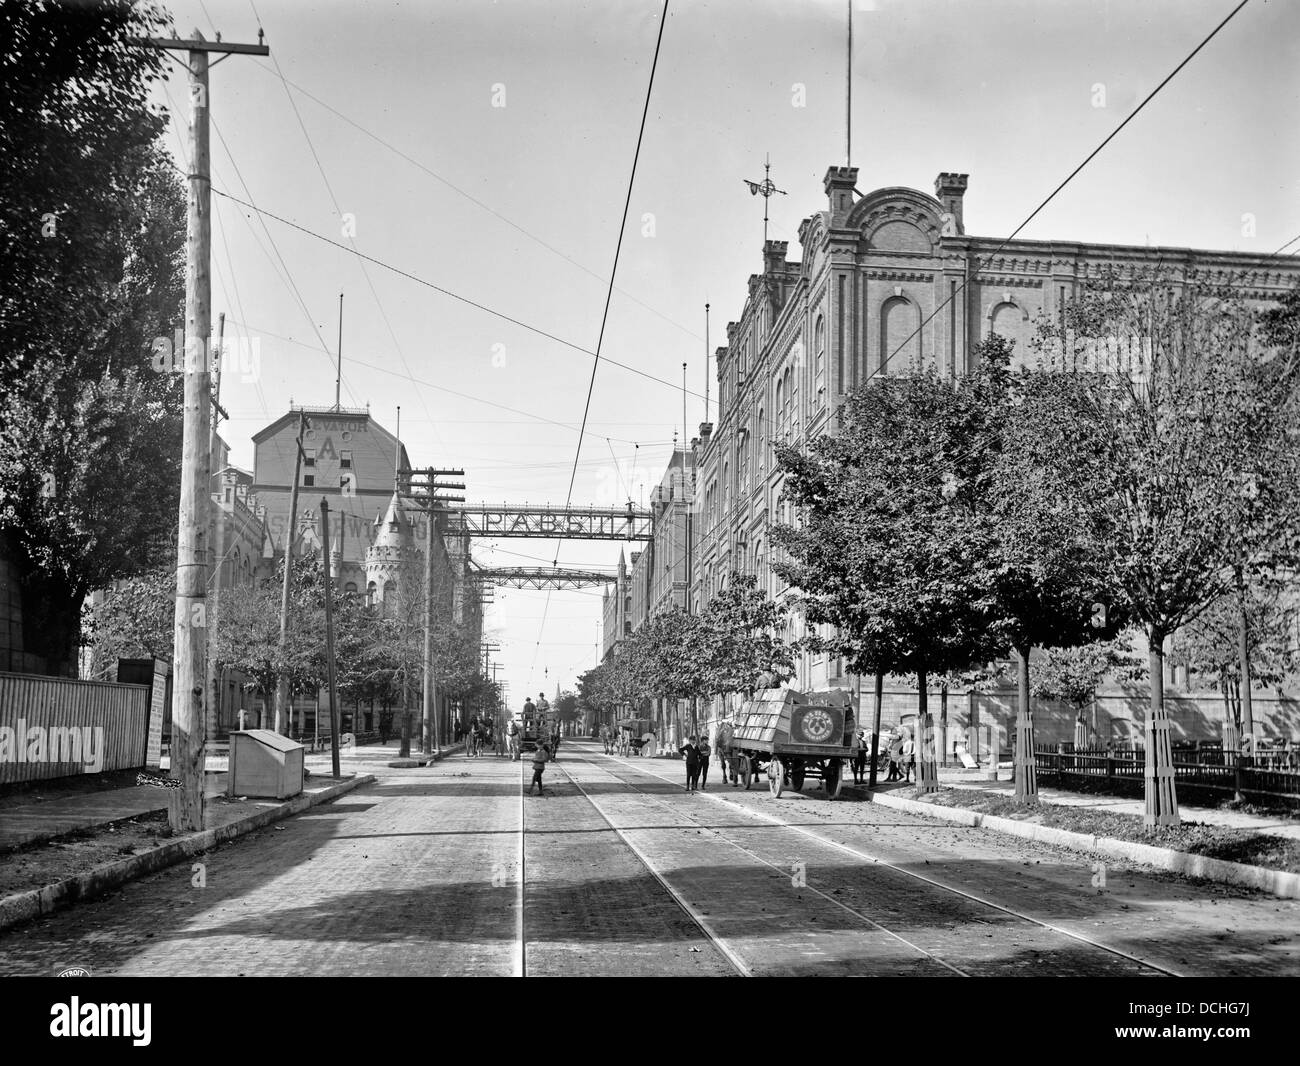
x: 54, y: 726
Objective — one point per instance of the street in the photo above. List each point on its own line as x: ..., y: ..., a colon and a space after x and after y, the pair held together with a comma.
x: 452, y: 870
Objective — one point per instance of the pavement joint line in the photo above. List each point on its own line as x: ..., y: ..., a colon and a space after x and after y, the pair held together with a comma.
x: 730, y: 954
x: 36, y: 902
x: 937, y: 884
x: 520, y: 961
x: 828, y: 898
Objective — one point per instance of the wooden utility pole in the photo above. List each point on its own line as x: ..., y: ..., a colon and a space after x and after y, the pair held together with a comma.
x: 329, y: 637
x: 430, y: 689
x: 283, y: 704
x: 190, y: 654
x: 432, y: 732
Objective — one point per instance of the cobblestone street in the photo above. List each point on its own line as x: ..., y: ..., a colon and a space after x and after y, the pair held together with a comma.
x: 623, y: 873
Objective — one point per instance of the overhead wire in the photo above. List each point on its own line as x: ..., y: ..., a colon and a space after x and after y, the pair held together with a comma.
x: 609, y: 294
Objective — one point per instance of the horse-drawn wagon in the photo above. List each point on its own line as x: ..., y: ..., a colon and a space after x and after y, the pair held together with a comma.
x: 792, y: 737
x: 633, y: 735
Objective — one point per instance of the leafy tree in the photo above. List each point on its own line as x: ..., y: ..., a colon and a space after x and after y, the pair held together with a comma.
x: 1211, y: 645
x: 134, y: 620
x: 742, y: 647
x: 1046, y: 568
x: 92, y: 227
x: 1182, y: 419
x: 880, y: 555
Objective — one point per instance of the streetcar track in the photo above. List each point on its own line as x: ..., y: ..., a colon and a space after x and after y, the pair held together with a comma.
x: 730, y: 954
x: 866, y: 857
x: 758, y: 858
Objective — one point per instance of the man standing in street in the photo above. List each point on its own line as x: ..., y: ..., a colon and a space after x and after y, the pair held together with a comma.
x: 540, y: 758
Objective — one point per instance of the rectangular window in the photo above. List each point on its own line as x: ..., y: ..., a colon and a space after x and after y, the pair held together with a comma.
x: 345, y: 460
x: 308, y: 480
x: 309, y: 459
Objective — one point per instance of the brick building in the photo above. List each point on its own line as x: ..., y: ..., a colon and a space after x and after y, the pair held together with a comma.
x: 873, y: 271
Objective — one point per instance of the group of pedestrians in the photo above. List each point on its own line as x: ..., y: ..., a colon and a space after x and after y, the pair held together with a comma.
x: 697, y: 752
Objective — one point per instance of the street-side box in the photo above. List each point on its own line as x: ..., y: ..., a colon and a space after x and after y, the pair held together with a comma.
x: 263, y: 763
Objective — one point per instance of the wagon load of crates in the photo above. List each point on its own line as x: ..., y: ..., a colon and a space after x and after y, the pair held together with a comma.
x: 795, y: 736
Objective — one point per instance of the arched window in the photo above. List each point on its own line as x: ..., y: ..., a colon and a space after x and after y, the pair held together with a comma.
x: 350, y: 589
x: 899, y: 336
x: 372, y: 591
x: 776, y: 408
x: 390, y: 589
x: 819, y: 361
x: 1010, y: 321
x: 762, y: 442
x: 785, y: 403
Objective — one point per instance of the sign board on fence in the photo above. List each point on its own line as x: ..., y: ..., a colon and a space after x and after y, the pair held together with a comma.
x: 157, y: 707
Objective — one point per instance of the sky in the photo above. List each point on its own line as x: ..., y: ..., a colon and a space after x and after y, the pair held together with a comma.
x: 481, y: 153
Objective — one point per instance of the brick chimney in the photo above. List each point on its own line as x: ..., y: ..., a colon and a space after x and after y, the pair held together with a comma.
x: 949, y: 190
x: 839, y: 182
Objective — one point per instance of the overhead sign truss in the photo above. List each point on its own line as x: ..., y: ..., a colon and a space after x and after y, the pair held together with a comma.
x: 543, y: 577
x: 571, y: 523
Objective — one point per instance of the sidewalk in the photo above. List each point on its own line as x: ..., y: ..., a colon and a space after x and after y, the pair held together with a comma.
x: 25, y: 823
x: 975, y: 780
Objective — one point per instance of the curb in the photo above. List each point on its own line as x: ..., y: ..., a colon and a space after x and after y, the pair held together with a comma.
x: 1275, y: 882
x: 24, y: 906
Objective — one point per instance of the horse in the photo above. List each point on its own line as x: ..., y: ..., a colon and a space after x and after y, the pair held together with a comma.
x: 722, y: 739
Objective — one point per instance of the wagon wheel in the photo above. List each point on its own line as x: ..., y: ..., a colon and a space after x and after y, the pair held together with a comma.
x: 745, y: 770
x: 796, y: 774
x: 833, y: 777
x: 775, y: 777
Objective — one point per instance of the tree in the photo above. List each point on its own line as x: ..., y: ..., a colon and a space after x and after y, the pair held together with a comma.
x: 1072, y: 675
x: 1182, y: 419
x: 1046, y: 568
x: 742, y: 646
x: 879, y: 554
x: 134, y: 620
x: 92, y: 225
x: 566, y: 709
x: 1211, y: 645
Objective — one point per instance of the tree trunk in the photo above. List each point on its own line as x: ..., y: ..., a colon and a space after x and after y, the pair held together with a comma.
x: 405, y: 751
x: 1161, y: 798
x: 943, y: 723
x: 875, y: 725
x: 928, y: 769
x: 1026, y: 770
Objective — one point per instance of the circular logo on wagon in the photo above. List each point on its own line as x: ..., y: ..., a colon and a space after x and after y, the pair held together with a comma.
x: 818, y: 726
x: 74, y: 971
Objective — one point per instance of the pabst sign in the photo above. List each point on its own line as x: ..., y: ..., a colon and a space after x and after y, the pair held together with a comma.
x: 817, y: 725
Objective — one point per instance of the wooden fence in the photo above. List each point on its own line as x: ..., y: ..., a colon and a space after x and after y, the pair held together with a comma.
x: 1207, y: 774
x: 55, y: 726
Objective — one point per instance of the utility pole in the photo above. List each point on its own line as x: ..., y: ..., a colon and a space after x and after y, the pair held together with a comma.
x: 190, y: 651
x: 329, y: 638
x: 431, y: 506
x: 283, y: 707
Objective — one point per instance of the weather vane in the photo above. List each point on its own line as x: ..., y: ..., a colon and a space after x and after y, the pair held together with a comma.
x: 764, y: 188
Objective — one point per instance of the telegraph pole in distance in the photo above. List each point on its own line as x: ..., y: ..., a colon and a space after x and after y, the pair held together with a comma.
x: 283, y: 703
x: 190, y: 651
x: 431, y: 505
x: 329, y: 637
